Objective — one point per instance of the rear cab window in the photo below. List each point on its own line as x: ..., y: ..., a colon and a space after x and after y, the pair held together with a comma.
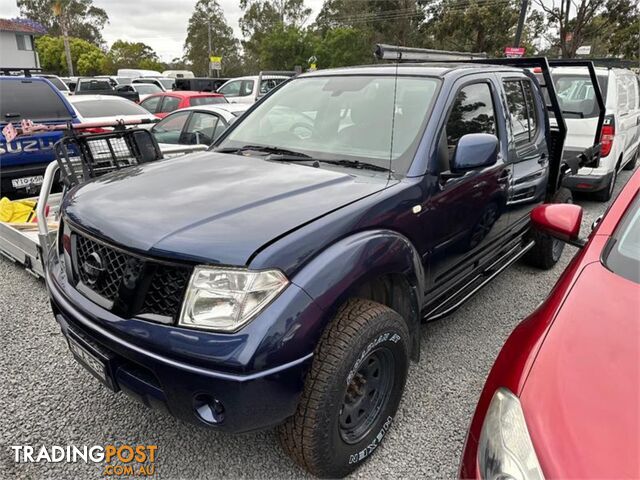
x: 30, y: 99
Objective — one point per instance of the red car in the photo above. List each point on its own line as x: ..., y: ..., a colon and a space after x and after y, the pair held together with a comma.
x: 563, y: 397
x: 162, y: 104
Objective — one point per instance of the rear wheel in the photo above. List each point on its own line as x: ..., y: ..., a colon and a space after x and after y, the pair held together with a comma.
x: 547, y: 250
x: 352, y: 392
x: 633, y: 162
x: 606, y: 193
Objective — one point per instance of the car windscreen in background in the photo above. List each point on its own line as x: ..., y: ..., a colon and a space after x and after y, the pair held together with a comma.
x: 108, y: 108
x: 30, y: 99
x: 576, y: 95
x: 59, y: 84
x: 623, y: 255
x: 197, y: 101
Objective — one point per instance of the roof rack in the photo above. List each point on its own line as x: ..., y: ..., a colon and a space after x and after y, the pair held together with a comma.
x: 604, y: 62
x: 19, y: 70
x: 410, y: 54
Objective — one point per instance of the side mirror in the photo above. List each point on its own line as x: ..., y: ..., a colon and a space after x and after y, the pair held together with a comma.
x: 559, y: 220
x: 475, y: 150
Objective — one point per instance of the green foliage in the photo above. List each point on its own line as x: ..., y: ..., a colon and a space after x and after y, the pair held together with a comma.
x: 223, y: 42
x: 344, y: 46
x: 84, y: 20
x: 87, y: 59
x: 124, y: 54
x: 284, y: 47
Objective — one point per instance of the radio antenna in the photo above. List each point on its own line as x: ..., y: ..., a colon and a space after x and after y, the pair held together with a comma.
x: 393, y: 116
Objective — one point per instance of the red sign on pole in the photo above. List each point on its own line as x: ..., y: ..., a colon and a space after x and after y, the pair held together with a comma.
x: 514, y: 52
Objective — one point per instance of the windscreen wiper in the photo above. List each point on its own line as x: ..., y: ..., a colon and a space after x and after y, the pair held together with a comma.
x: 273, y: 151
x: 358, y: 164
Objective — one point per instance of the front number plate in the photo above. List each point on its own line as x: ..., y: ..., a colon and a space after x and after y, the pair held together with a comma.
x: 25, y: 182
x: 88, y: 360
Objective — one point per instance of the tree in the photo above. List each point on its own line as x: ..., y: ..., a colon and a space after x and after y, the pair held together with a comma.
x: 591, y: 19
x: 53, y: 59
x: 223, y: 43
x: 262, y: 17
x: 344, y: 46
x: 286, y: 46
x: 123, y: 54
x: 85, y: 20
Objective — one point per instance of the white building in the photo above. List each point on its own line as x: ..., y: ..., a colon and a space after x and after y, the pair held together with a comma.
x: 17, y: 45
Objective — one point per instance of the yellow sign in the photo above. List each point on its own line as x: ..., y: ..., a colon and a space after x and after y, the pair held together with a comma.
x: 214, y: 59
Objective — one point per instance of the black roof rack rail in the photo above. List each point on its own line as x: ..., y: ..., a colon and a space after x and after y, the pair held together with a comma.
x: 19, y: 70
x: 384, y: 51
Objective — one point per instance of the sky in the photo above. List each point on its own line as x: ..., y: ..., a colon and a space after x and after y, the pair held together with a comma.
x: 161, y: 24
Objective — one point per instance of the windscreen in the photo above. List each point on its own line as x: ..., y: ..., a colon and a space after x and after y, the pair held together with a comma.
x: 576, y: 94
x: 196, y: 101
x: 343, y: 118
x: 33, y: 100
x: 108, y: 108
x: 623, y: 257
x: 147, y: 88
x: 167, y: 83
x: 59, y: 84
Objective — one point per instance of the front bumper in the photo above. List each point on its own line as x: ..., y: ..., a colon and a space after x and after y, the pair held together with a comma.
x: 160, y: 379
x: 587, y: 183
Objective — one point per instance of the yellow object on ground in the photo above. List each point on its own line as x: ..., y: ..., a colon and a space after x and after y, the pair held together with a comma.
x: 17, y: 211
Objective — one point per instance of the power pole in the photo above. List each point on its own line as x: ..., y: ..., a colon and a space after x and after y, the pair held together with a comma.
x: 58, y: 11
x: 523, y: 15
x: 209, y: 39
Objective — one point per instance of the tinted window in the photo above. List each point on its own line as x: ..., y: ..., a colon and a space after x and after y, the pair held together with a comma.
x: 108, y: 108
x: 151, y: 104
x: 94, y: 85
x: 231, y: 89
x: 146, y: 88
x: 472, y: 112
x: 246, y: 88
x: 517, y: 110
x: 170, y: 104
x: 34, y: 100
x: 531, y: 107
x: 195, y: 101
x: 623, y: 256
x: 59, y: 84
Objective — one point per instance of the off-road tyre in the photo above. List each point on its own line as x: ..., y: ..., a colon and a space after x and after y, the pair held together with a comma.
x: 316, y: 436
x: 547, y: 250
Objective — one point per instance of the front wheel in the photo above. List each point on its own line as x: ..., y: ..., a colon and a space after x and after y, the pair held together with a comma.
x: 547, y: 250
x: 352, y: 392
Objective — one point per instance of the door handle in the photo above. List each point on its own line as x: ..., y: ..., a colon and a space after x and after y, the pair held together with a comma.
x: 543, y: 159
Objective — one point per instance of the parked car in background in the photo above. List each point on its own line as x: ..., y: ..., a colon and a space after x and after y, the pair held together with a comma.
x: 161, y: 104
x: 115, y: 80
x: 166, y: 84
x: 137, y: 72
x: 200, y: 84
x: 103, y: 86
x: 247, y: 90
x: 562, y: 399
x: 620, y: 134
x: 178, y: 74
x: 146, y: 89
x: 200, y: 125
x: 107, y: 108
x: 24, y: 160
x: 57, y: 82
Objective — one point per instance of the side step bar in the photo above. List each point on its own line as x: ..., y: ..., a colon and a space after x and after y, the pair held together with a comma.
x: 471, y: 288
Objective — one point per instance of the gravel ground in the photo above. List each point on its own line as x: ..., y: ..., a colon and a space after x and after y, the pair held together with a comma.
x: 48, y: 399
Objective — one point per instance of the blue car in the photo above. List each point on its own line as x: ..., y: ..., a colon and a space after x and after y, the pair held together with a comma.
x: 24, y: 160
x: 280, y: 279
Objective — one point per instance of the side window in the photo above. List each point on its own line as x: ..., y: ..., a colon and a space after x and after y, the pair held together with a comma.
x: 622, y: 96
x: 170, y: 104
x: 472, y: 112
x: 517, y: 110
x: 247, y: 88
x: 201, y: 129
x: 231, y: 89
x: 531, y: 108
x: 151, y: 104
x: 170, y: 128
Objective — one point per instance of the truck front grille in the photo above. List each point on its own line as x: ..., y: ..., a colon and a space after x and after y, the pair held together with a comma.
x: 131, y: 284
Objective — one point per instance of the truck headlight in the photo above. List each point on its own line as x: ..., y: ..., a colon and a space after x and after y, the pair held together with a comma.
x: 225, y: 299
x: 505, y: 450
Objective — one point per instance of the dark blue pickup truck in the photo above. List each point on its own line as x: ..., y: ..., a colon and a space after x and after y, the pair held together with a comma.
x: 24, y: 160
x: 280, y: 279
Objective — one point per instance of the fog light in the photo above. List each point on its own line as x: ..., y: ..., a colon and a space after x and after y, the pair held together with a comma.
x: 208, y: 409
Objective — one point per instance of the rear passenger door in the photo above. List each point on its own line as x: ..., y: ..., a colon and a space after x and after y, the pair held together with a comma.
x: 528, y: 152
